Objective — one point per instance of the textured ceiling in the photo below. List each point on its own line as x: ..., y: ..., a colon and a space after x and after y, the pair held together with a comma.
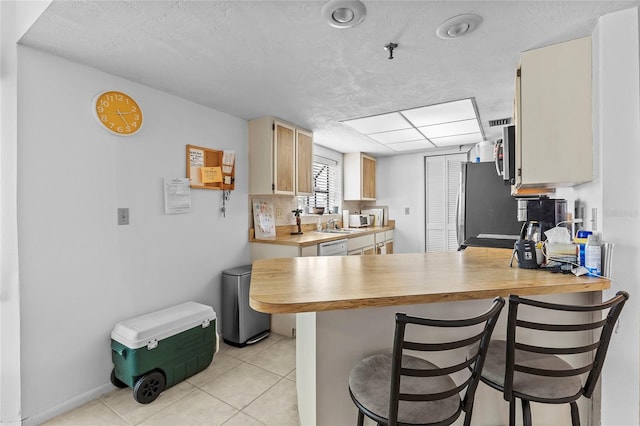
x: 257, y: 58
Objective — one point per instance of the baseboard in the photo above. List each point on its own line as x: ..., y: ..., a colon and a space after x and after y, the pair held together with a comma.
x: 65, y: 406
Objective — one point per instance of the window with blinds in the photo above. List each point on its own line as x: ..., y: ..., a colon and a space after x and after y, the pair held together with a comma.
x: 325, y: 188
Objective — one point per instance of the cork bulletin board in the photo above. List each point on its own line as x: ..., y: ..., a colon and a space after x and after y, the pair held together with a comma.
x: 210, y: 169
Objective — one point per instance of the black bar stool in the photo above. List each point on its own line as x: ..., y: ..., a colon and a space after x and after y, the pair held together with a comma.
x: 402, y: 389
x: 523, y: 370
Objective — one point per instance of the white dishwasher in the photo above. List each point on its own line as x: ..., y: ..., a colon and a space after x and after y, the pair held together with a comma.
x: 333, y: 248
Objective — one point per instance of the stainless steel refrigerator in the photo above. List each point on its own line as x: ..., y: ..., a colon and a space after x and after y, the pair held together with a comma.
x: 241, y: 325
x: 487, y: 213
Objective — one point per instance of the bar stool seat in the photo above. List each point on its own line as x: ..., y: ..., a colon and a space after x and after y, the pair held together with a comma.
x: 369, y: 383
x: 402, y: 389
x: 542, y: 359
x: 539, y: 387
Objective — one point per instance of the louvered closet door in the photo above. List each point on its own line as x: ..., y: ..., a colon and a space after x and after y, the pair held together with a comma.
x: 442, y: 182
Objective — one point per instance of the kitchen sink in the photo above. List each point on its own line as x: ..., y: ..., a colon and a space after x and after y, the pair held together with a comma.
x: 339, y: 231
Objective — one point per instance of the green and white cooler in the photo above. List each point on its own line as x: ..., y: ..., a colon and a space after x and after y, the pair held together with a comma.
x: 155, y: 351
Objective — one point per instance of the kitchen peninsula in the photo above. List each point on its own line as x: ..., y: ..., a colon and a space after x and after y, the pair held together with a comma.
x: 346, y: 306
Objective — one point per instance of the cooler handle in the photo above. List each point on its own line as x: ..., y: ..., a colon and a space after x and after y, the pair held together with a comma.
x: 121, y: 351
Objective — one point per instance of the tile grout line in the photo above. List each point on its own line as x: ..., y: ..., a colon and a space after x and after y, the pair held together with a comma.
x: 257, y: 397
x: 114, y: 411
x: 194, y: 387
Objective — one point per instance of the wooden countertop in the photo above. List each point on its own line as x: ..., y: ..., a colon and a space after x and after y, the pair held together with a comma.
x: 313, y: 284
x: 311, y: 236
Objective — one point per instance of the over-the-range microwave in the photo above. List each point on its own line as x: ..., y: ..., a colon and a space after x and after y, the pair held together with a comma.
x: 505, y: 155
x: 359, y: 220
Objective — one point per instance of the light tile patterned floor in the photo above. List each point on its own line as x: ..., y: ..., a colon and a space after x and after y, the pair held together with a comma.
x: 250, y: 386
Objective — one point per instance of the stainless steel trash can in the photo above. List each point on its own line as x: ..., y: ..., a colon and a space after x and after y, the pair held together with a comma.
x: 241, y: 325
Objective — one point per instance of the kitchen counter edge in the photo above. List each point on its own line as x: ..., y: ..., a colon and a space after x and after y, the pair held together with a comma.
x: 292, y: 285
x: 310, y: 238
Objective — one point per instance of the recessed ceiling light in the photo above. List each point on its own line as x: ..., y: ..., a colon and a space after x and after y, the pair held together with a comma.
x: 343, y: 13
x: 458, y: 26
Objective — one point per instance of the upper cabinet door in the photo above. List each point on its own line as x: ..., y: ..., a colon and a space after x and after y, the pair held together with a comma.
x: 304, y: 163
x: 359, y: 176
x: 368, y: 178
x: 554, y: 145
x: 285, y: 157
x: 280, y: 158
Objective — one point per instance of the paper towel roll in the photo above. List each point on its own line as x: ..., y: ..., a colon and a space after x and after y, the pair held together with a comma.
x: 345, y: 218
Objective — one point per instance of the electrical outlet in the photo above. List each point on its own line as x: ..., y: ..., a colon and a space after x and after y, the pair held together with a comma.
x: 407, y: 210
x: 123, y: 216
x: 278, y: 213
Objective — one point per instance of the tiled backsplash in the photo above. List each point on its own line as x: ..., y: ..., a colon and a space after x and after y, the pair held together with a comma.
x: 284, y: 205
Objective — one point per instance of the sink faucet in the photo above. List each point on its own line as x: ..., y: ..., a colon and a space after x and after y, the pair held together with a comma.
x: 331, y: 223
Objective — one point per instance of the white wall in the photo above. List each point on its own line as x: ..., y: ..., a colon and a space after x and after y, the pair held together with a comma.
x: 81, y: 272
x: 400, y: 185
x: 617, y: 131
x: 9, y: 284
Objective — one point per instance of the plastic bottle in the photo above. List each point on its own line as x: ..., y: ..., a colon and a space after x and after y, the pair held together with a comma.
x: 593, y: 256
x: 581, y: 239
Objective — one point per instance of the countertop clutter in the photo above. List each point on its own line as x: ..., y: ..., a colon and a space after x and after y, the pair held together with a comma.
x: 311, y: 236
x: 292, y: 285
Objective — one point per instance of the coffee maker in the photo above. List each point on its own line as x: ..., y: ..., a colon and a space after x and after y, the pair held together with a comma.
x: 540, y: 214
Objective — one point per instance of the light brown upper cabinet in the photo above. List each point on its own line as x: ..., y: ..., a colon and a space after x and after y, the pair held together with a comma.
x: 554, y: 146
x: 359, y: 176
x: 280, y: 158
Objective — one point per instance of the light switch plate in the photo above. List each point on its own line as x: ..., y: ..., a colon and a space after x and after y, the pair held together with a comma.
x: 123, y: 216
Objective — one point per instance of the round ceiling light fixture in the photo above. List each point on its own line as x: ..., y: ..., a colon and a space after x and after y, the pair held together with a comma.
x: 343, y: 13
x: 458, y: 26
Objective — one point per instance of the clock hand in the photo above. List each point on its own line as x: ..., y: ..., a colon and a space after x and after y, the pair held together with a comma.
x: 122, y: 117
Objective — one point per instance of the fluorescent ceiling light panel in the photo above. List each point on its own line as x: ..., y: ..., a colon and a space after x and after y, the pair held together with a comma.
x: 445, y: 124
x: 379, y: 123
x: 458, y: 139
x: 450, y: 129
x: 410, y: 146
x: 441, y: 113
x: 397, y: 136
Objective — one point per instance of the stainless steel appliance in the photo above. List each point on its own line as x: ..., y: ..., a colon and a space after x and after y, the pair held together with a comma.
x: 540, y: 214
x: 505, y: 157
x: 241, y: 325
x: 487, y: 213
x: 333, y: 248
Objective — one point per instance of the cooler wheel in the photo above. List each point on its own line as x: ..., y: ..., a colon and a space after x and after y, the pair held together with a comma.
x: 148, y: 387
x: 115, y: 381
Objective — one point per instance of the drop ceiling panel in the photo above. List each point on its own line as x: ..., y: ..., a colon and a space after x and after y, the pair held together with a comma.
x: 458, y: 140
x: 449, y: 129
x: 379, y: 123
x: 441, y: 113
x: 397, y: 136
